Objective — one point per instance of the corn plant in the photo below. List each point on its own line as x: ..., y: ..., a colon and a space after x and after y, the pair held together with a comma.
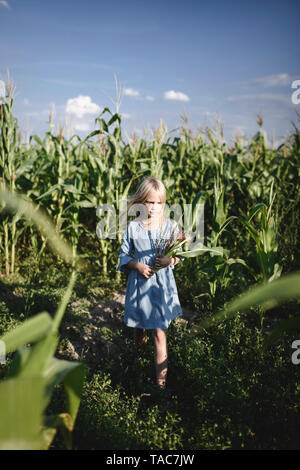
x: 34, y: 372
x: 29, y: 210
x: 12, y: 166
x: 217, y: 267
x: 266, y: 295
x: 105, y: 162
x: 62, y: 197
x: 156, y: 148
x: 32, y: 376
x: 174, y: 245
x: 265, y: 238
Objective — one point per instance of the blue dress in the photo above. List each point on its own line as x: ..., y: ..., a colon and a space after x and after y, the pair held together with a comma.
x: 149, y: 303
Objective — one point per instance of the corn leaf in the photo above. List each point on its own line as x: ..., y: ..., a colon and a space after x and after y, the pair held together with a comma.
x: 40, y: 356
x: 30, y: 331
x: 22, y: 404
x: 72, y: 375
x: 268, y: 295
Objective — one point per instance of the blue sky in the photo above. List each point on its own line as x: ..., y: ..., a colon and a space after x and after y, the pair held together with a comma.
x: 225, y: 60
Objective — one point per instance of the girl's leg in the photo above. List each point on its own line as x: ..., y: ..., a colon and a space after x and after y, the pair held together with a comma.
x: 140, y: 338
x: 160, y: 356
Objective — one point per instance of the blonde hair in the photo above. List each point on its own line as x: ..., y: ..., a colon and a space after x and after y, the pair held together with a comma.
x: 149, y: 184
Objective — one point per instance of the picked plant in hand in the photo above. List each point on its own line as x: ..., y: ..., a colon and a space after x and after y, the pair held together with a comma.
x: 167, y: 248
x: 172, y: 247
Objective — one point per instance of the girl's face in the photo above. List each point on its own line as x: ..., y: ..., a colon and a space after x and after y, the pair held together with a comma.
x: 154, y: 205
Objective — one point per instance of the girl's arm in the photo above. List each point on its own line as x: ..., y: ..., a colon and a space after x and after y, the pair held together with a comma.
x: 126, y: 261
x: 133, y: 264
x: 144, y: 269
x: 125, y: 252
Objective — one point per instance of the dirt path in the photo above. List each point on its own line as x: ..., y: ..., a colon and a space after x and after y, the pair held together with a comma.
x: 91, y: 330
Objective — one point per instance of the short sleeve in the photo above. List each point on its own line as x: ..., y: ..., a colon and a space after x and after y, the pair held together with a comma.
x: 125, y: 252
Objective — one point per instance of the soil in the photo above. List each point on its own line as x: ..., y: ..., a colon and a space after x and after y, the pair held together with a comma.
x: 95, y: 332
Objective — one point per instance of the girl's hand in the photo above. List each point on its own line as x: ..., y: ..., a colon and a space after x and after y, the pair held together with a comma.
x: 162, y: 262
x: 145, y: 270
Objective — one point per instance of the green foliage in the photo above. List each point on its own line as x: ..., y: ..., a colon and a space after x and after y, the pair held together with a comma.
x: 34, y: 370
x: 32, y: 375
x: 110, y: 419
x: 231, y: 388
x: 227, y: 390
x: 266, y: 295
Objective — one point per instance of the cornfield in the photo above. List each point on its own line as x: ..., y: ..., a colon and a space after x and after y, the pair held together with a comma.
x: 50, y: 193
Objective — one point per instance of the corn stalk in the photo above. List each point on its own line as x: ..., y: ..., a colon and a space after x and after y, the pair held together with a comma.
x: 13, y: 166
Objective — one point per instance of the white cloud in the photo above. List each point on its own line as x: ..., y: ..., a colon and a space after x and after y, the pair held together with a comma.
x: 279, y: 98
x: 81, y: 105
x: 26, y: 101
x: 270, y: 81
x: 82, y: 126
x: 5, y: 4
x: 131, y: 92
x: 176, y: 96
x: 126, y: 116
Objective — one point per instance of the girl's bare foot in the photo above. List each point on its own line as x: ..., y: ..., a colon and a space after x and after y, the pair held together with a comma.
x: 161, y: 384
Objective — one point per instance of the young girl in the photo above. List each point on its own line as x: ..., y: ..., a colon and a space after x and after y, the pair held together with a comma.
x: 151, y: 300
